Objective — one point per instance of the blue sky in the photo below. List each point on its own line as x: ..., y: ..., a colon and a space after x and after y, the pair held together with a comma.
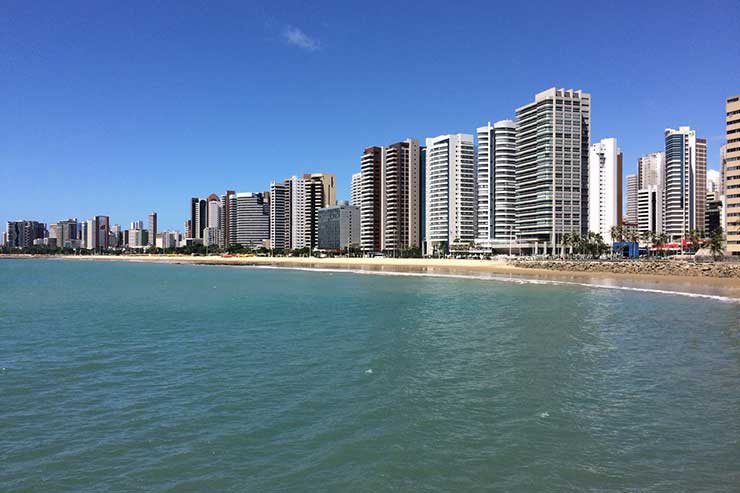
x: 121, y: 108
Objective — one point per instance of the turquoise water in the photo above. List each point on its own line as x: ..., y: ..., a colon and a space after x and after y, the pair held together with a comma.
x: 146, y: 377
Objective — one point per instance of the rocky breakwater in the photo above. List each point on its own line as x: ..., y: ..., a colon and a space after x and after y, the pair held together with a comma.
x: 640, y: 267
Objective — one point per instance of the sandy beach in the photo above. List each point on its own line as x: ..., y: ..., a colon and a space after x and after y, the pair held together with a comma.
x: 726, y: 287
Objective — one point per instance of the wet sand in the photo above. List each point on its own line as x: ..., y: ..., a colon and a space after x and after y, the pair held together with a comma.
x: 724, y: 287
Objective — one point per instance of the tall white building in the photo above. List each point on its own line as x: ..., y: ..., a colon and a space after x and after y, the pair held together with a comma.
x: 713, y: 181
x: 684, y: 201
x: 450, y: 191
x: 650, y: 170
x: 496, y: 182
x: 632, y: 188
x: 294, y: 205
x: 355, y: 197
x: 553, y: 138
x: 603, y: 187
x: 650, y: 209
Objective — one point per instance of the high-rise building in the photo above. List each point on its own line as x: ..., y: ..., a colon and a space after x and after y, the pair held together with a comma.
x: 731, y: 182
x: 450, y: 191
x: 198, y: 217
x: 101, y: 230
x: 632, y: 187
x: 603, y: 187
x: 21, y: 234
x: 65, y: 232
x: 279, y: 215
x: 650, y: 170
x: 339, y: 227
x: 650, y: 209
x: 722, y: 166
x: 355, y: 197
x: 713, y: 181
x: 684, y: 182
x: 152, y: 229
x: 714, y: 217
x: 228, y: 219
x: 497, y: 181
x: 400, y: 196
x: 553, y: 139
x: 371, y: 165
x: 294, y: 206
x: 252, y: 219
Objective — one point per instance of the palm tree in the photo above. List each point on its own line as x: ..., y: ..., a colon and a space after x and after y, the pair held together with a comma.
x: 661, y: 240
x: 617, y: 233
x: 695, y: 238
x: 716, y: 243
x: 649, y: 238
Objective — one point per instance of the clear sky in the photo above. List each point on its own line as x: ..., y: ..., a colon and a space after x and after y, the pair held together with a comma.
x: 125, y: 107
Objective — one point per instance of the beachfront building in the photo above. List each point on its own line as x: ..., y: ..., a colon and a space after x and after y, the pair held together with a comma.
x: 401, y: 196
x: 152, y: 229
x: 294, y: 206
x: 713, y: 180
x: 22, y: 234
x: 632, y: 188
x: 198, y: 217
x: 356, y: 191
x: 252, y: 219
x: 339, y: 227
x: 715, y: 216
x: 684, y: 179
x: 553, y: 139
x: 496, y: 183
x: 228, y: 219
x: 450, y: 192
x: 650, y: 170
x: 650, y: 210
x: 731, y: 178
x: 604, y: 164
x: 371, y: 165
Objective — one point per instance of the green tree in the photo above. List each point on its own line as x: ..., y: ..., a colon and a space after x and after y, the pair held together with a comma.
x: 717, y: 243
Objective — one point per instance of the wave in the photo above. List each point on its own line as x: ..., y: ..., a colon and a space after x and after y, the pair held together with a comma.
x: 501, y: 278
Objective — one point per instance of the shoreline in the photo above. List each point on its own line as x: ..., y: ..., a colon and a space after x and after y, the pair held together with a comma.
x: 707, y: 286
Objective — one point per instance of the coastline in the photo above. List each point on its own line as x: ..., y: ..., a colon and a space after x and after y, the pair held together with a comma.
x: 708, y: 286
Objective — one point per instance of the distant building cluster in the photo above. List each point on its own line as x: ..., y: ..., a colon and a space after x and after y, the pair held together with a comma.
x: 532, y: 181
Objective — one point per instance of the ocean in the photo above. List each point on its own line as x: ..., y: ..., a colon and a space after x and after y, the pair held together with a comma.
x: 118, y: 376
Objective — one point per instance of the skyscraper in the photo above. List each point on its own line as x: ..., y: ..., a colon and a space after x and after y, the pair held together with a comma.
x: 497, y: 181
x: 252, y: 219
x: 722, y: 167
x: 355, y: 197
x: 198, y: 217
x: 102, y: 228
x: 553, y: 138
x: 603, y: 187
x: 684, y: 182
x: 713, y: 181
x: 632, y: 187
x: 450, y: 191
x: 650, y: 192
x: 371, y: 165
x: 152, y: 240
x: 294, y: 205
x: 731, y: 187
x: 400, y: 196
x: 21, y: 234
x: 650, y: 170
x: 228, y: 219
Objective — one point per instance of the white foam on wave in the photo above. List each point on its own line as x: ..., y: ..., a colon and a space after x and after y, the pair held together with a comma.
x: 501, y: 278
